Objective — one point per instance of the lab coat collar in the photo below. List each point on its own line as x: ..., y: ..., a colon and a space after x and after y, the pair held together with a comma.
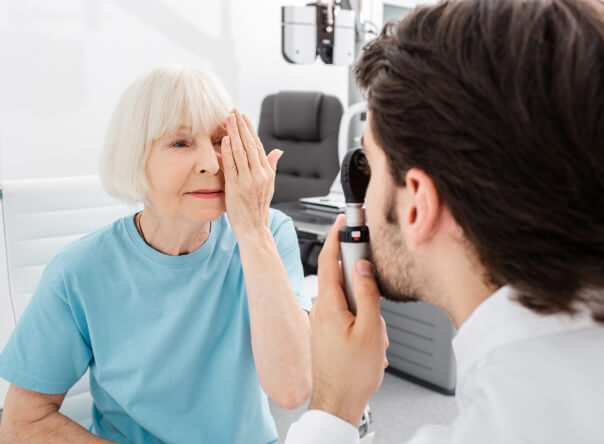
x: 500, y: 320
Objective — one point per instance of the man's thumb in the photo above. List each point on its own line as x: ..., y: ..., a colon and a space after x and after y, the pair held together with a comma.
x: 366, y: 292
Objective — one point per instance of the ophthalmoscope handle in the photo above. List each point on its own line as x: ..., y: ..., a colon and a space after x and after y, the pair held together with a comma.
x: 354, y: 245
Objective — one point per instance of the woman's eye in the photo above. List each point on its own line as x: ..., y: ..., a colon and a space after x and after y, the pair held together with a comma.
x: 218, y: 144
x: 179, y: 144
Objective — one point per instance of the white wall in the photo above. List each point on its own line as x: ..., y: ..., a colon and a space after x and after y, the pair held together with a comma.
x: 65, y: 63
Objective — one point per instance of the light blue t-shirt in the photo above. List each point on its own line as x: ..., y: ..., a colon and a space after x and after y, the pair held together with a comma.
x: 167, y: 338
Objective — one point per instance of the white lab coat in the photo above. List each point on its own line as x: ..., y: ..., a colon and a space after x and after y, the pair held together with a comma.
x: 521, y: 378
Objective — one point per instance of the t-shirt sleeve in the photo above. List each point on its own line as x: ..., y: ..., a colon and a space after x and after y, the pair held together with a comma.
x: 47, y: 352
x: 286, y: 238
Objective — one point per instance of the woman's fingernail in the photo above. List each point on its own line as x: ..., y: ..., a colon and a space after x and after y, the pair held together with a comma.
x: 365, y: 268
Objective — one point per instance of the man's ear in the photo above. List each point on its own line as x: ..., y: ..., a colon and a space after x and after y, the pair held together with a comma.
x: 419, y: 215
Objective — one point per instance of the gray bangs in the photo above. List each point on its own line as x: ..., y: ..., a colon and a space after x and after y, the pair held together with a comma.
x: 186, y: 97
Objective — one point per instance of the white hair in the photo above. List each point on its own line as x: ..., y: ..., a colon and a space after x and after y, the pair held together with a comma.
x: 155, y: 104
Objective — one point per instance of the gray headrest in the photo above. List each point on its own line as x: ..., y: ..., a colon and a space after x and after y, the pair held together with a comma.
x: 296, y: 115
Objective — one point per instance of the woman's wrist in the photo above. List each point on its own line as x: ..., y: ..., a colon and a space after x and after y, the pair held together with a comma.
x: 255, y: 238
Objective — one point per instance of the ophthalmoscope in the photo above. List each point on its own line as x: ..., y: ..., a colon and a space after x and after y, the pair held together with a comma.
x: 354, y: 236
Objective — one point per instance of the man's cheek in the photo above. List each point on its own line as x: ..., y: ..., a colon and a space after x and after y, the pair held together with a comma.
x: 371, y: 204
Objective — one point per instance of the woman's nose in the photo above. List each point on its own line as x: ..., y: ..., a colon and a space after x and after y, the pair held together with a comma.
x: 207, y: 159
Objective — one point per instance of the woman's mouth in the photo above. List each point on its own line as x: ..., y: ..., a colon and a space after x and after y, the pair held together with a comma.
x: 205, y: 194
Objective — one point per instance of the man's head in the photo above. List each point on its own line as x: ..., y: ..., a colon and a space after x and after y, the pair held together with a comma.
x: 487, y: 118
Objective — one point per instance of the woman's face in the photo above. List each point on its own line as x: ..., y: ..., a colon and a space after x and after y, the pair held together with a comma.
x: 185, y: 174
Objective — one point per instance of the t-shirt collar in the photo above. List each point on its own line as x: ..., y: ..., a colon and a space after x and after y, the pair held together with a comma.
x: 201, y: 253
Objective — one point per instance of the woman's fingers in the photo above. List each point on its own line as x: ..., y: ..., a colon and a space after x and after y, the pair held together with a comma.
x: 249, y: 183
x: 261, y: 153
x: 228, y: 163
x: 248, y: 141
x: 240, y: 157
x: 273, y: 158
x: 250, y: 127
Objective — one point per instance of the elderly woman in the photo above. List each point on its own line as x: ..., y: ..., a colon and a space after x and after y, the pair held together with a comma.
x: 187, y: 312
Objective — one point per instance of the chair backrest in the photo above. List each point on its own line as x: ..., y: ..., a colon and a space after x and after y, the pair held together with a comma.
x: 305, y: 126
x: 40, y: 217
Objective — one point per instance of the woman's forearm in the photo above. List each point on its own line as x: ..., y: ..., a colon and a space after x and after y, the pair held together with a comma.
x: 279, y: 326
x: 54, y: 428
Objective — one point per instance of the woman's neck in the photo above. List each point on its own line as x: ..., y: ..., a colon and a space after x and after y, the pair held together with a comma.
x: 170, y: 235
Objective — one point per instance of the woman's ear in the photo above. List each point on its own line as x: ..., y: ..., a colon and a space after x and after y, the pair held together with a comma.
x: 420, y: 214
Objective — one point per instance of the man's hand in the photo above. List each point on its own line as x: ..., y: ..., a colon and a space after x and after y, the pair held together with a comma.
x: 348, y: 352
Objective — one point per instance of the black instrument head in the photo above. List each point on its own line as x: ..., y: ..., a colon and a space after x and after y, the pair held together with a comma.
x: 354, y: 175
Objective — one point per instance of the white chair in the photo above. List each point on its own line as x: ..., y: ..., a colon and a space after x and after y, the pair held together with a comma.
x: 40, y: 217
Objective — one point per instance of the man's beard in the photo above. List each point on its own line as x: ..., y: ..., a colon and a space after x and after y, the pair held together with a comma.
x: 393, y: 264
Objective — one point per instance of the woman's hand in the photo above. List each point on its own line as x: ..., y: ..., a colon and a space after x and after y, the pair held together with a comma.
x: 279, y: 327
x: 249, y: 177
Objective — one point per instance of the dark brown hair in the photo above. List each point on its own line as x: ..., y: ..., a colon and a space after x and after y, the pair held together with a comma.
x: 501, y: 103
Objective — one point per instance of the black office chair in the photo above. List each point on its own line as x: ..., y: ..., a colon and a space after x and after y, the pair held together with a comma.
x: 304, y: 125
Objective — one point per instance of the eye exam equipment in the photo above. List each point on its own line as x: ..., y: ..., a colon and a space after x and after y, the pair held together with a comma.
x: 354, y: 236
x: 334, y: 31
x: 323, y: 29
